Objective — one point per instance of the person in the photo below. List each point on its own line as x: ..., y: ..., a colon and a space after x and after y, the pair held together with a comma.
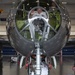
x: 41, y: 13
x: 38, y: 12
x: 33, y: 13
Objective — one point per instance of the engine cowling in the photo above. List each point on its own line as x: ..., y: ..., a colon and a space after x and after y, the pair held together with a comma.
x: 46, y: 22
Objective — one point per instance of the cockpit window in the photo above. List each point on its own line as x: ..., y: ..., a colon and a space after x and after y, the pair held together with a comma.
x: 45, y: 12
x: 31, y: 4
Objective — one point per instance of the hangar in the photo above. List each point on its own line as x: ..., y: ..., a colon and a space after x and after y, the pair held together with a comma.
x: 9, y: 58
